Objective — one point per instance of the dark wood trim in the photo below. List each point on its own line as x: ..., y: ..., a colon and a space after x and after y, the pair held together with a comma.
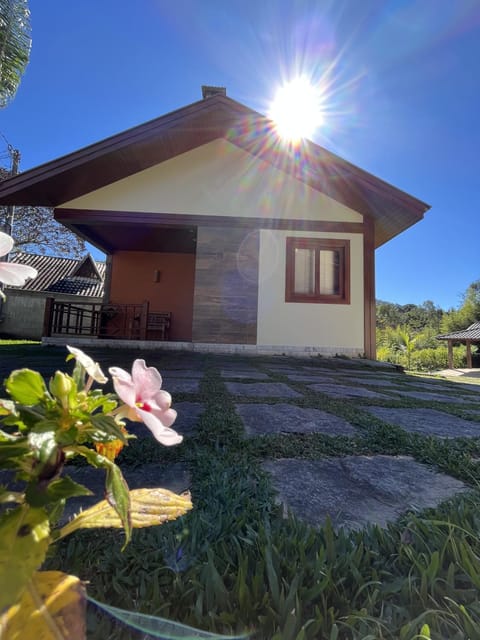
x: 47, y: 317
x: 369, y: 289
x: 107, y: 285
x: 89, y: 217
x: 318, y: 244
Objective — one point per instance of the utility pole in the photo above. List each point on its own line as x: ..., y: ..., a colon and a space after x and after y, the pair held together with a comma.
x: 10, y: 218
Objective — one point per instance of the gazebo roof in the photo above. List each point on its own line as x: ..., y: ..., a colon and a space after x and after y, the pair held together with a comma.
x: 471, y: 333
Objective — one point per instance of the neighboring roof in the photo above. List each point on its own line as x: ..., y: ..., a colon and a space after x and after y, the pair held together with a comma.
x: 83, y: 277
x: 218, y: 116
x: 471, y: 333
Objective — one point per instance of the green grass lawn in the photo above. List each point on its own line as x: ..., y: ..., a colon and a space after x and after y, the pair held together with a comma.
x: 236, y: 564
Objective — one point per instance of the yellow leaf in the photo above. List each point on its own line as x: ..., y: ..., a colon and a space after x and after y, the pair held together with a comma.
x: 148, y: 507
x: 24, y: 539
x: 52, y: 607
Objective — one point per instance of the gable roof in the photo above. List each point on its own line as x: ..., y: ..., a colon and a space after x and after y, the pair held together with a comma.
x: 218, y: 116
x: 471, y: 333
x: 83, y: 277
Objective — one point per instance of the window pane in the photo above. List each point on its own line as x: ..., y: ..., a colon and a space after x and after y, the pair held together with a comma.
x: 329, y: 272
x: 304, y: 271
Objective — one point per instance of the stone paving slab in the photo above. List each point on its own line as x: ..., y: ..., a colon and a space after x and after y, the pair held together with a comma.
x: 181, y: 385
x: 337, y: 390
x: 465, y: 386
x: 254, y: 374
x: 373, y: 382
x: 419, y: 385
x: 181, y: 373
x: 285, y: 371
x: 265, y: 419
x: 262, y: 390
x: 320, y: 377
x: 357, y: 490
x: 428, y: 422
x: 425, y: 395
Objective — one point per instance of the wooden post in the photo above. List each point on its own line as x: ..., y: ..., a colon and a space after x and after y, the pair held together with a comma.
x: 144, y: 320
x: 450, y: 354
x: 47, y: 317
x: 469, y: 354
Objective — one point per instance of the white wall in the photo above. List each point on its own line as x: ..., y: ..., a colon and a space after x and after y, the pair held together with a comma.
x: 216, y: 179
x: 337, y: 328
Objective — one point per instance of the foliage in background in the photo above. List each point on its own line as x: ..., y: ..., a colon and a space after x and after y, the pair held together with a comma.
x: 15, y: 43
x: 406, y: 334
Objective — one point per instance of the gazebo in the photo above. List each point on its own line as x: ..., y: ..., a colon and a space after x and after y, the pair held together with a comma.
x: 468, y: 336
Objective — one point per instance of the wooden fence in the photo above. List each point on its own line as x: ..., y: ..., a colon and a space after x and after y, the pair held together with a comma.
x: 114, y: 321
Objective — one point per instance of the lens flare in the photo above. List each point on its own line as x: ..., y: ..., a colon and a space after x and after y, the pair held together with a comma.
x: 297, y: 110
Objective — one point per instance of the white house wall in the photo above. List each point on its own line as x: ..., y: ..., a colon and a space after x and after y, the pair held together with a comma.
x: 336, y: 328
x: 216, y: 179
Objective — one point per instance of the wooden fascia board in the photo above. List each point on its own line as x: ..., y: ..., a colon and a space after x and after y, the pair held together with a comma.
x: 84, y: 217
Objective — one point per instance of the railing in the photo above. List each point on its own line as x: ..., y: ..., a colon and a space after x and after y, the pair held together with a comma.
x: 120, y: 321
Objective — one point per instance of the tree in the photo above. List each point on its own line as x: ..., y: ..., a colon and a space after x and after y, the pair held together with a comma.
x: 468, y: 312
x: 405, y: 343
x: 35, y: 229
x: 15, y: 43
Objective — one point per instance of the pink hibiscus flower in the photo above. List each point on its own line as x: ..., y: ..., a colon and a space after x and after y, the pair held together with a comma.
x: 12, y: 273
x: 145, y: 400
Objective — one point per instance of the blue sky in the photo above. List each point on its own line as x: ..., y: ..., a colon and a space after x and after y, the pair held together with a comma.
x: 403, y: 99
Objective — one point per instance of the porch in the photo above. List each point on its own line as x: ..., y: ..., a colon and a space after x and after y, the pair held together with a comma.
x: 105, y: 321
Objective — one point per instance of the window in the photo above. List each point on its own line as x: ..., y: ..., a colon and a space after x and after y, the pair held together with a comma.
x: 318, y: 270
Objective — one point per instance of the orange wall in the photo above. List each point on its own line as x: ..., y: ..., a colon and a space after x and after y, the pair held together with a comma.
x: 133, y: 282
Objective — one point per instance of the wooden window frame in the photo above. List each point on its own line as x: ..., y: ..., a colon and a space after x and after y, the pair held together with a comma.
x: 318, y: 244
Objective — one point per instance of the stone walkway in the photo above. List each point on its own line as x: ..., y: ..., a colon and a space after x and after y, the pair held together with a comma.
x: 357, y: 490
x: 274, y: 397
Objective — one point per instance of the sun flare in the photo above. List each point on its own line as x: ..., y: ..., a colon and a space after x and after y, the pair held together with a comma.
x: 297, y: 110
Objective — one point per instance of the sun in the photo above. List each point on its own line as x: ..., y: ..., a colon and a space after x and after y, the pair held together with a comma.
x: 297, y: 110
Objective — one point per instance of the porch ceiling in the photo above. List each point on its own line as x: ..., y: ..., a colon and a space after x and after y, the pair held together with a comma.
x: 134, y: 237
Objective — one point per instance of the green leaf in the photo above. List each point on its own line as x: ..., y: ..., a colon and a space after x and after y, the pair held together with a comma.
x: 425, y: 631
x: 7, y: 407
x: 10, y: 450
x: 119, y: 498
x: 24, y: 539
x: 10, y: 496
x: 43, y: 444
x: 160, y: 627
x: 26, y: 386
x: 97, y: 399
x: 108, y: 426
x: 55, y: 491
x: 117, y: 493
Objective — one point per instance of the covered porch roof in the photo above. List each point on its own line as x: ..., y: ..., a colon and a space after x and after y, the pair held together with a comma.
x: 468, y: 336
x: 217, y: 116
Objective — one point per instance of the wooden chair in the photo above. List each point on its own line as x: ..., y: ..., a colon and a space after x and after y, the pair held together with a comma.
x: 158, y: 326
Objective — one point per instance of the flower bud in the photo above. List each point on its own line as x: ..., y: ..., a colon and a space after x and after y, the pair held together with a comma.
x: 61, y: 386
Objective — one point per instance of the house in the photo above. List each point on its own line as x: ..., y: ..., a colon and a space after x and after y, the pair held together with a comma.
x: 243, y: 241
x: 65, y: 280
